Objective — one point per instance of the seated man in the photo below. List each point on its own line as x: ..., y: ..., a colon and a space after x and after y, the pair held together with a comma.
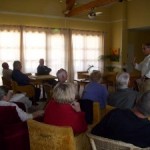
x: 131, y: 126
x: 21, y: 78
x: 123, y: 97
x: 4, y: 101
x: 42, y: 69
x: 6, y: 72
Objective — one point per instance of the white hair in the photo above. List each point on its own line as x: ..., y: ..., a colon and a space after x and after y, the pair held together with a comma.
x: 122, y: 80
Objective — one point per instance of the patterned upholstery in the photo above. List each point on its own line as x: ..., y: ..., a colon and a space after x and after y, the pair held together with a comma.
x: 49, y: 137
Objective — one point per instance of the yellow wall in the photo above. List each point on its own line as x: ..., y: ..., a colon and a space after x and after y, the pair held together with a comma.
x: 138, y: 13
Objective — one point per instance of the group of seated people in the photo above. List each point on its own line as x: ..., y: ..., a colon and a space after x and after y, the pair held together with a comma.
x: 128, y: 122
x: 22, y: 79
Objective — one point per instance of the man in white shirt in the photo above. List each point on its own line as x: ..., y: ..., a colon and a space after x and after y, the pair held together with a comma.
x: 4, y: 101
x: 144, y: 67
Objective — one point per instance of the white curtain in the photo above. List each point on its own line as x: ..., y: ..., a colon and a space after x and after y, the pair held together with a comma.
x: 72, y: 50
x: 9, y: 45
x: 34, y: 48
x: 87, y: 47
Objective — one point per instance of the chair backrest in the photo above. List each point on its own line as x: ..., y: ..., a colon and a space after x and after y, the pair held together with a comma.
x: 93, y: 112
x: 7, y: 83
x: 101, y: 143
x: 48, y: 90
x: 48, y: 137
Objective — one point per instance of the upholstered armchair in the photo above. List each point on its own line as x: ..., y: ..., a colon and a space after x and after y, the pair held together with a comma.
x: 28, y: 89
x: 49, y: 137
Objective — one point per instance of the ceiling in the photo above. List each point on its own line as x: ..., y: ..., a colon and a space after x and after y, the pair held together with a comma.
x: 55, y: 8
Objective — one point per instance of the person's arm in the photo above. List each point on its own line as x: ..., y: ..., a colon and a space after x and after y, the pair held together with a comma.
x: 147, y: 69
x: 25, y: 116
x: 20, y: 78
x: 47, y: 70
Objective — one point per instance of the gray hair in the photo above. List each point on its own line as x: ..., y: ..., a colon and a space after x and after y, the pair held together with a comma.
x: 64, y: 92
x: 143, y: 104
x: 122, y: 80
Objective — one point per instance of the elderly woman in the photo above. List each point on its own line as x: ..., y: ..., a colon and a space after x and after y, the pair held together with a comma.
x: 94, y: 90
x: 64, y: 110
x: 123, y: 97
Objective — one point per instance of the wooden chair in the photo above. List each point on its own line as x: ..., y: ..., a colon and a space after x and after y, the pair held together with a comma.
x: 93, y: 112
x: 48, y: 89
x: 7, y: 83
x: 49, y: 137
x: 28, y: 89
x: 101, y: 143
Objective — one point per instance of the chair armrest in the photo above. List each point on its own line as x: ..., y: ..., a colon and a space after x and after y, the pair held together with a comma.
x: 82, y: 142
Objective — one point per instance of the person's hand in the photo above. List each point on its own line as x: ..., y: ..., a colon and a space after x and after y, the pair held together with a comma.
x: 38, y: 113
x: 9, y: 95
x: 76, y: 106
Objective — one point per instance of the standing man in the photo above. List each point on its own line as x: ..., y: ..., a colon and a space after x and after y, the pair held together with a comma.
x: 41, y: 69
x: 144, y: 67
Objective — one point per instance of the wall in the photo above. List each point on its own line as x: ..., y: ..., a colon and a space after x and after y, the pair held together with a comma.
x: 138, y: 13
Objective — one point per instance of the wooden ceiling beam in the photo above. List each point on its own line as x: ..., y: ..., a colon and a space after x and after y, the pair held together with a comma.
x: 88, y: 6
x: 69, y: 6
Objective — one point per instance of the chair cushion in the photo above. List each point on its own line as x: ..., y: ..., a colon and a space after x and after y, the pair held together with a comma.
x: 8, y: 115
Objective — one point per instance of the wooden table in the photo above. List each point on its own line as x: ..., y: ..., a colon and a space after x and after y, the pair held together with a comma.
x: 40, y: 79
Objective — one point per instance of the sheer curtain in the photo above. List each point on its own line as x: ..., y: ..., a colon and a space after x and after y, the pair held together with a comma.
x: 9, y: 45
x: 34, y: 48
x: 72, y: 50
x: 87, y: 47
x: 56, y: 50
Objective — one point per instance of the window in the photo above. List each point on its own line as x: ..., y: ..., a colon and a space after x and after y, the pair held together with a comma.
x: 29, y: 44
x: 9, y: 46
x: 34, y: 48
x: 86, y: 49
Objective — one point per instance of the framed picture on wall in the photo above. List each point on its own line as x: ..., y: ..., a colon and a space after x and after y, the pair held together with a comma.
x: 115, y: 54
